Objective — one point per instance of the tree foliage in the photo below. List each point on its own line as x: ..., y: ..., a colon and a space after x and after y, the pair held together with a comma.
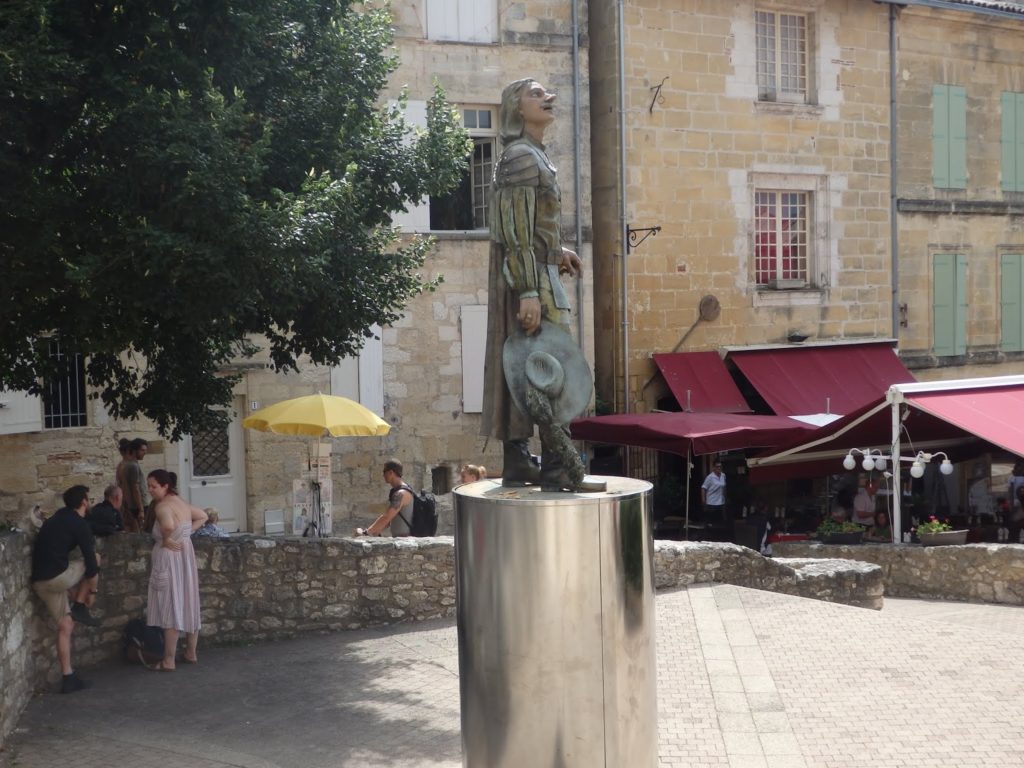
x: 179, y: 177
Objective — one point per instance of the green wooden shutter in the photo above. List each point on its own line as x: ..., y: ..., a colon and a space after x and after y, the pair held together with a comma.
x: 1009, y: 142
x: 949, y: 304
x: 1019, y: 141
x: 960, y: 329
x: 1011, y: 301
x: 957, y: 137
x: 940, y: 135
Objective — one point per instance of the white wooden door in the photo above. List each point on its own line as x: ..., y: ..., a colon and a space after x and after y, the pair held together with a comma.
x: 215, y: 472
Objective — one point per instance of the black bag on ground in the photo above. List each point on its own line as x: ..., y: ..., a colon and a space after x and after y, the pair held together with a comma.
x: 424, y: 513
x: 141, y: 643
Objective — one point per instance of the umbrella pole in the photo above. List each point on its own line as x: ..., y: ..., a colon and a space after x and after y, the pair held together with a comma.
x: 318, y: 515
x: 686, y: 535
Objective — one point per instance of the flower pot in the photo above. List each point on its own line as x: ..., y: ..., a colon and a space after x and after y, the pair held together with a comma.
x: 942, y: 538
x: 853, y: 537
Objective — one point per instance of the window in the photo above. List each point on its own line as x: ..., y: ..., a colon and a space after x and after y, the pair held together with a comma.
x: 441, y: 480
x: 464, y: 21
x: 781, y: 238
x: 949, y: 137
x: 1013, y: 142
x: 64, y: 396
x: 1011, y: 301
x: 782, y: 56
x: 949, y: 304
x: 465, y: 207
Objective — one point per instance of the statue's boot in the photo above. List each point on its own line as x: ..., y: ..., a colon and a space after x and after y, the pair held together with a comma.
x: 519, y: 468
x: 556, y: 475
x: 553, y: 474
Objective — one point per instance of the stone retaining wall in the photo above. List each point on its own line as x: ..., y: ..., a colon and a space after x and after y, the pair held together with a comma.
x: 17, y: 671
x: 264, y: 588
x: 987, y: 573
x: 831, y: 580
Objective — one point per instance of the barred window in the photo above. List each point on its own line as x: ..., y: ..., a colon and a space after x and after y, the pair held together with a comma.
x: 64, y: 394
x: 781, y: 237
x: 782, y: 56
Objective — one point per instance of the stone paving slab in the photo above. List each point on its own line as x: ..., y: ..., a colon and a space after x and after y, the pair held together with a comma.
x: 746, y: 679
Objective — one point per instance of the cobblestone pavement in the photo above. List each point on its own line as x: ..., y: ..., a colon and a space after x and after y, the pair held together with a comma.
x: 746, y: 679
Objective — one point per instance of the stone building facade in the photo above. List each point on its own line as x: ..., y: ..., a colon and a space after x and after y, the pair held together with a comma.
x: 756, y: 137
x: 960, y: 189
x: 423, y: 375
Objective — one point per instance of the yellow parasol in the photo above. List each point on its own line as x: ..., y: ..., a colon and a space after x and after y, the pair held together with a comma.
x: 312, y: 415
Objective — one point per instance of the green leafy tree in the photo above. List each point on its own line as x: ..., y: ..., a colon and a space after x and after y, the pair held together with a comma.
x: 179, y: 178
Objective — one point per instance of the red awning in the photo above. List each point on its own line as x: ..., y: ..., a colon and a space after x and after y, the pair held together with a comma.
x: 681, y: 432
x: 994, y: 415
x: 700, y: 382
x: 961, y: 422
x: 835, y: 378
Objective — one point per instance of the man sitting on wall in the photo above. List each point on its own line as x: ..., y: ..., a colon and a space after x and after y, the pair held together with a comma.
x: 105, y: 518
x: 55, y: 576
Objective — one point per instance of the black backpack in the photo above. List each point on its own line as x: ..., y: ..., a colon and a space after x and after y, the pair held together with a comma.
x: 142, y: 643
x: 424, y: 513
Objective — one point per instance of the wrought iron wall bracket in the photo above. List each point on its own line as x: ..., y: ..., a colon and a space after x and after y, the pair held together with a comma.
x: 633, y: 235
x: 657, y: 98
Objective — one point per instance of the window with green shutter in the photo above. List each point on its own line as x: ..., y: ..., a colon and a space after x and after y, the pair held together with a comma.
x: 949, y: 304
x: 1011, y: 301
x: 1013, y: 141
x: 949, y: 137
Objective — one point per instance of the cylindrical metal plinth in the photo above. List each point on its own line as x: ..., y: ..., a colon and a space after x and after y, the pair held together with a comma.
x: 556, y: 626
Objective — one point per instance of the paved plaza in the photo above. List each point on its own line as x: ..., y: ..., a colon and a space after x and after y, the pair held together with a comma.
x: 746, y: 679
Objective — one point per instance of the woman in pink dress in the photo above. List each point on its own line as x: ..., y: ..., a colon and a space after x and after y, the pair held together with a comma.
x: 174, y: 580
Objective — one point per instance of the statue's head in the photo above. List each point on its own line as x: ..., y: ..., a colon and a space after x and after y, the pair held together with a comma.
x: 510, y: 119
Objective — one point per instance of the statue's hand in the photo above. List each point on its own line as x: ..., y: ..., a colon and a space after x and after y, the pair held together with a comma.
x: 529, y: 314
x: 571, y: 264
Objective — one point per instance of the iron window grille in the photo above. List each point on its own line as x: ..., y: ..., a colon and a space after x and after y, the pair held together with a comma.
x: 64, y: 394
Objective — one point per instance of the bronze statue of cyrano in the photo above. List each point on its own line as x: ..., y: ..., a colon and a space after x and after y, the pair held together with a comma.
x: 537, y: 377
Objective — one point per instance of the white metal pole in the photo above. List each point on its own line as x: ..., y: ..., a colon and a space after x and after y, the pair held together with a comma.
x: 897, y: 485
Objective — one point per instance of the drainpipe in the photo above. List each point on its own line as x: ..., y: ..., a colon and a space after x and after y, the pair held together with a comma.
x: 577, y: 173
x: 894, y: 238
x: 622, y: 205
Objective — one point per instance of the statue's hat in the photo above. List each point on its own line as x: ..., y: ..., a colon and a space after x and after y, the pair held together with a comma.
x: 552, y: 362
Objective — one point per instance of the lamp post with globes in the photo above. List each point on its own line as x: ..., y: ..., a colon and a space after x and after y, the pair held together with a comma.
x: 874, y: 459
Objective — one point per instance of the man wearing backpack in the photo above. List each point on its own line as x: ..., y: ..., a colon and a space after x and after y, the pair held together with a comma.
x: 400, y: 501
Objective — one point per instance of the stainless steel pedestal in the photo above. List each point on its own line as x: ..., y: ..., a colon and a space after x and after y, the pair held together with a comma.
x: 556, y: 627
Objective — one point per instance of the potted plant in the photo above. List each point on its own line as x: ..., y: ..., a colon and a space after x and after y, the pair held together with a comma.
x: 934, y: 532
x: 831, y: 532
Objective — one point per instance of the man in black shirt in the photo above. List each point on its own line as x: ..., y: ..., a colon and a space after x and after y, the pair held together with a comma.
x: 105, y: 518
x: 55, y: 576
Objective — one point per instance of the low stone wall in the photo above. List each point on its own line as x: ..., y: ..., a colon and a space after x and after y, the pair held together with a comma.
x: 831, y: 580
x: 987, y: 573
x: 17, y: 672
x: 264, y: 588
